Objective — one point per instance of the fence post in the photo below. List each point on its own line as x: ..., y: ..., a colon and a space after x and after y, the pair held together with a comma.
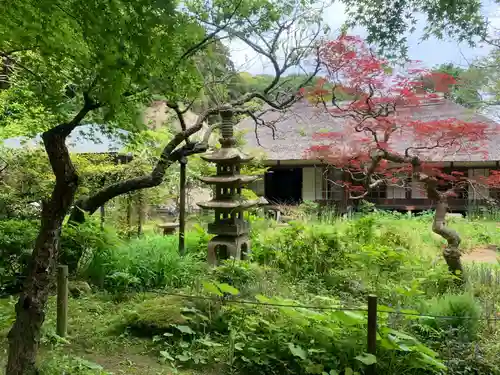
x: 62, y: 300
x: 372, y: 330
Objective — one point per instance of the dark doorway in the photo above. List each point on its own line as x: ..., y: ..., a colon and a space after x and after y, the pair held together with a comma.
x: 283, y: 185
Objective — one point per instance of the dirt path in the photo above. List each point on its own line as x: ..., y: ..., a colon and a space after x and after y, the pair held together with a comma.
x: 482, y: 254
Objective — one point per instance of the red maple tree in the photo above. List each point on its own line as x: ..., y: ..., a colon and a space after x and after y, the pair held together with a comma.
x: 377, y: 137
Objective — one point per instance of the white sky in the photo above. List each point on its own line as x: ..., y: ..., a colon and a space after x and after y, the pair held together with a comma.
x: 431, y: 52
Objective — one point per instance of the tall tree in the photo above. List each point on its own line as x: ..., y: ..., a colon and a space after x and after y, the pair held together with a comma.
x: 76, y: 61
x: 288, y: 42
x: 380, y: 140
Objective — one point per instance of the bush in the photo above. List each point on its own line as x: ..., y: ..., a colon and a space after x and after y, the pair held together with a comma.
x: 70, y: 365
x: 249, y: 278
x: 155, y: 316
x: 302, y: 252
x: 17, y: 238
x: 142, y: 264
x: 462, y: 314
x: 80, y: 242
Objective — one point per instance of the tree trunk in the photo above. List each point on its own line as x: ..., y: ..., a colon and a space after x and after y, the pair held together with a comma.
x: 451, y: 253
x: 30, y: 309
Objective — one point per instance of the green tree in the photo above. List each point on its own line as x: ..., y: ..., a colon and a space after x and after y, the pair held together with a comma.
x: 99, y: 62
x: 76, y: 61
x: 274, y: 44
x: 468, y: 83
x: 388, y: 22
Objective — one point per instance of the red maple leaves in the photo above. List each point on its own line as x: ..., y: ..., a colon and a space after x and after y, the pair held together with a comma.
x: 387, y: 123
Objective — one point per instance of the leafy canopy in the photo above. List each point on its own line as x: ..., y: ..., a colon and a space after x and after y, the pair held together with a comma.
x: 61, y: 51
x: 388, y: 22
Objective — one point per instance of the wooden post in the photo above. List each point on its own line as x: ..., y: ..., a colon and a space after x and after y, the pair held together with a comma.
x: 62, y: 300
x: 129, y: 213
x: 182, y: 205
x: 372, y: 330
x: 103, y: 214
x: 140, y: 212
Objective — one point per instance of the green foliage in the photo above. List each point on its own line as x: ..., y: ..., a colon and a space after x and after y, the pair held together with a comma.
x: 310, y: 208
x: 146, y: 263
x: 80, y: 242
x: 155, y: 316
x: 78, y: 47
x: 70, y: 365
x: 17, y: 238
x: 301, y: 251
x: 469, y: 83
x: 253, y: 339
x: 388, y: 23
x: 463, y: 311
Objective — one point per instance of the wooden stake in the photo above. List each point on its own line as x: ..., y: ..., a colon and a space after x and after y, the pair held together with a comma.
x: 182, y: 206
x: 372, y: 330
x: 103, y: 215
x: 140, y: 213
x: 62, y: 300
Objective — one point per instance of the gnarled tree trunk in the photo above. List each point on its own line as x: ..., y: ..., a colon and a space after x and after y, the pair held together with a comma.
x: 451, y: 253
x: 30, y: 309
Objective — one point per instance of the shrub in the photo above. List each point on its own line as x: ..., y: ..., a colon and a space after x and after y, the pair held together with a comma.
x: 462, y: 314
x: 249, y: 278
x: 302, y: 252
x: 17, y: 238
x: 144, y: 263
x: 80, y: 242
x: 70, y: 365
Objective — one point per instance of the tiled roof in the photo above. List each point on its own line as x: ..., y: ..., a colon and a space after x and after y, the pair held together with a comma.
x: 295, y: 128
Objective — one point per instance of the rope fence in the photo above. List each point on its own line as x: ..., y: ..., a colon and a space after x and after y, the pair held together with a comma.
x: 399, y: 311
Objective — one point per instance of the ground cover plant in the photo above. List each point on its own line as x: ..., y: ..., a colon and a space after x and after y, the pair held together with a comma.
x: 137, y: 319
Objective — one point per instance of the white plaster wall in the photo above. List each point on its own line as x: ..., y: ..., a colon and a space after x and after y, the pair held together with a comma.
x: 318, y: 182
x: 478, y: 191
x: 308, y: 183
x: 418, y: 190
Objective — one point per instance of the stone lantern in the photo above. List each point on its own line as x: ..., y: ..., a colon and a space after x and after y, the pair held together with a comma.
x: 230, y: 228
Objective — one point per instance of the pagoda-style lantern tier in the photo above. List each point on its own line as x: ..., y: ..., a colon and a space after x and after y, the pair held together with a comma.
x: 236, y: 180
x: 228, y: 204
x: 228, y: 156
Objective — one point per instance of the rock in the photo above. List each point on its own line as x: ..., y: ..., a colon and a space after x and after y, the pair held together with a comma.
x: 78, y: 288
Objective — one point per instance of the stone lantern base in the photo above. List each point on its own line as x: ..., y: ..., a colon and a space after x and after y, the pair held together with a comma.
x: 226, y: 247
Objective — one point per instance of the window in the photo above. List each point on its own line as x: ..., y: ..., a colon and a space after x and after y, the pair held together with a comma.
x: 379, y: 192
